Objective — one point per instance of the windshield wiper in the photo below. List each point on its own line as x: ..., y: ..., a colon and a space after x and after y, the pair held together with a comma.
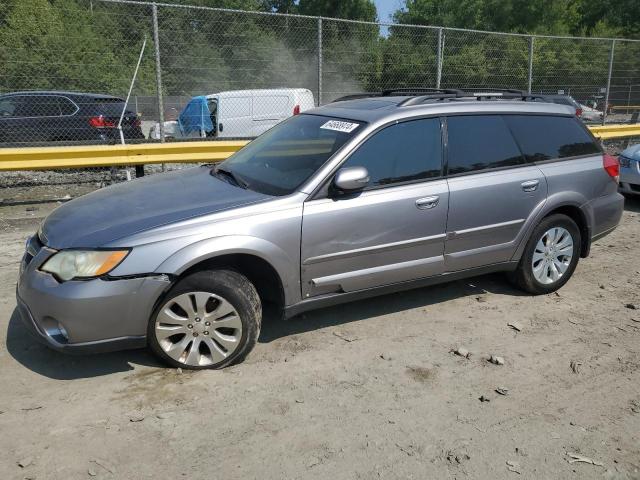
x: 229, y: 174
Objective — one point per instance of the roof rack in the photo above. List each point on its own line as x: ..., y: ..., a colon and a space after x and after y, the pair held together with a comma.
x: 420, y: 95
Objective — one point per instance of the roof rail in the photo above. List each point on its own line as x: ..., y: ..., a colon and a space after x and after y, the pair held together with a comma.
x: 357, y: 96
x: 419, y: 95
x: 418, y: 91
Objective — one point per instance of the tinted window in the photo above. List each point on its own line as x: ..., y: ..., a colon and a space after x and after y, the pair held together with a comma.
x: 110, y: 107
x: 67, y: 107
x: 280, y: 160
x: 547, y: 137
x: 479, y: 142
x: 401, y: 153
x: 37, y: 106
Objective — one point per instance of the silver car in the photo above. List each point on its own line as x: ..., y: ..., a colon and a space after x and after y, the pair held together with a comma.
x: 630, y: 170
x: 357, y: 198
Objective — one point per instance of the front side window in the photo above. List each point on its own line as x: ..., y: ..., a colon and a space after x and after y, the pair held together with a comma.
x: 546, y: 137
x: 480, y: 142
x: 403, y: 152
x: 283, y: 158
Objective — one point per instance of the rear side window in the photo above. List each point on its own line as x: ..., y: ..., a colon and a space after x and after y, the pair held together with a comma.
x: 67, y: 107
x: 479, y: 142
x: 403, y: 152
x: 545, y: 137
x: 37, y: 106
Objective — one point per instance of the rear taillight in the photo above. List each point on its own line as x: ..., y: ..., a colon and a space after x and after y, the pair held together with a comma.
x: 296, y: 110
x: 101, y: 122
x: 578, y: 112
x: 611, y: 166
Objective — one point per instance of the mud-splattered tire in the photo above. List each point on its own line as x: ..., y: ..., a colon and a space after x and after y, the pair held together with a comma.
x: 209, y: 319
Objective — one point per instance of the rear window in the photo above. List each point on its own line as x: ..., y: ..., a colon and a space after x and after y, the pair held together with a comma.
x: 543, y: 137
x: 480, y: 142
x: 109, y: 106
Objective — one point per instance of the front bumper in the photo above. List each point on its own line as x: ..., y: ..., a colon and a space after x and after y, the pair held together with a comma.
x: 96, y: 315
x: 630, y: 177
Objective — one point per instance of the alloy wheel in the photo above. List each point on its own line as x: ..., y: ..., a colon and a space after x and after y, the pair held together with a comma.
x: 552, y: 255
x: 198, y: 328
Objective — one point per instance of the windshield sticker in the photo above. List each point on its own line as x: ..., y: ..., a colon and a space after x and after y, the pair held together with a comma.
x: 338, y: 126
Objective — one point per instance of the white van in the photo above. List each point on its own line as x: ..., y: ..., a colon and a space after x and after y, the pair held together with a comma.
x: 236, y: 113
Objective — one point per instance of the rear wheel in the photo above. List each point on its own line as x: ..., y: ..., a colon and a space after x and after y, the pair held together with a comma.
x: 550, y: 256
x: 210, y: 319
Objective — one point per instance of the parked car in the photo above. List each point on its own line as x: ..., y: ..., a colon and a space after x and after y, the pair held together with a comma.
x: 353, y: 199
x: 236, y: 113
x: 630, y: 170
x: 590, y: 114
x: 565, y: 100
x: 43, y: 117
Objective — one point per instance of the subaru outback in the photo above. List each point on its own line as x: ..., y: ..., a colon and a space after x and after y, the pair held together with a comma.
x: 360, y: 197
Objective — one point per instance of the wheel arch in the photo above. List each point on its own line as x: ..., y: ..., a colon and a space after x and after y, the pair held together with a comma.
x: 266, y: 265
x: 573, y: 207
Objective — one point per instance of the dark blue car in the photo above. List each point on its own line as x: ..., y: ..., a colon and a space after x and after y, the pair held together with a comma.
x: 45, y: 117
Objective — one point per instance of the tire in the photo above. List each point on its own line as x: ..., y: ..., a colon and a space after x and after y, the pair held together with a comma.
x: 529, y: 280
x: 209, y: 319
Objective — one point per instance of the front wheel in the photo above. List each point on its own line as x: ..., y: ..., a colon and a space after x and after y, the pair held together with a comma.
x: 550, y: 256
x: 210, y: 319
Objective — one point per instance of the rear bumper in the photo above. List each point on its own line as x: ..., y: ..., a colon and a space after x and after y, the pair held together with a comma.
x: 607, y: 212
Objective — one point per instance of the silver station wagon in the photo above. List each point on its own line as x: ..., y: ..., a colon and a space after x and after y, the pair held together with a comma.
x: 364, y: 196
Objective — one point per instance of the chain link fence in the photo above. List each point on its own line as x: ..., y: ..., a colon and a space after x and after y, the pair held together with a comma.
x: 217, y: 73
x: 121, y: 71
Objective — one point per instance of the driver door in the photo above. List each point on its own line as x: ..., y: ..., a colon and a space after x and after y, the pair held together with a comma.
x: 393, y: 230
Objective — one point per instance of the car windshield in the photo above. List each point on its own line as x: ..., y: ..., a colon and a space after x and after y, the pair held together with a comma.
x: 282, y: 159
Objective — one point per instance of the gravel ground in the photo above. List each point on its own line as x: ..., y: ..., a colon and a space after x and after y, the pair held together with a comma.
x: 366, y: 390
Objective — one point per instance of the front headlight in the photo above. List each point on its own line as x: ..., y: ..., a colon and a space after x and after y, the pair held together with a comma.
x: 69, y: 264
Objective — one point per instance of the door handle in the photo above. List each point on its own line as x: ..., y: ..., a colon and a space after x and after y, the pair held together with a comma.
x: 530, y: 185
x: 427, y: 202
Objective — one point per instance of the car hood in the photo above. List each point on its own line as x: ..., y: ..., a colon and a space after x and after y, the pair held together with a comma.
x: 632, y: 152
x: 124, y: 209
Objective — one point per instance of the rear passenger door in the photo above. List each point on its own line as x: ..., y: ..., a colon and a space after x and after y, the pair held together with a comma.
x: 391, y: 232
x: 492, y: 192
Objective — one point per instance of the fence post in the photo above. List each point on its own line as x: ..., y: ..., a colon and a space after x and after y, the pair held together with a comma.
x: 606, y: 95
x: 530, y: 82
x: 319, y: 61
x: 439, y: 59
x: 156, y: 44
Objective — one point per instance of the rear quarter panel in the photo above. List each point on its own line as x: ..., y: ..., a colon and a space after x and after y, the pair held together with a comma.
x: 583, y: 183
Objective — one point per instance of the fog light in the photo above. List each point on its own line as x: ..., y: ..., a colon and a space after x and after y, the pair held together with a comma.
x: 63, y: 332
x: 55, y: 330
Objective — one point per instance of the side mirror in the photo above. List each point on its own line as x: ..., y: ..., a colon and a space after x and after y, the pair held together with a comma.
x: 350, y: 179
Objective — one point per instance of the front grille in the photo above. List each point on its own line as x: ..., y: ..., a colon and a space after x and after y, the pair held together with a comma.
x: 634, y: 187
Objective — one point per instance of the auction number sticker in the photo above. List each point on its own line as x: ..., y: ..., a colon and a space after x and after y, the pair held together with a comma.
x: 346, y: 127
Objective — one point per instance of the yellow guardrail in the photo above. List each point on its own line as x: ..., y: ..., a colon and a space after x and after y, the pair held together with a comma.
x: 606, y: 132
x: 39, y: 158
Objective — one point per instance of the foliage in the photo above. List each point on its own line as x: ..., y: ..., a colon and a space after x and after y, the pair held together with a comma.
x: 89, y: 45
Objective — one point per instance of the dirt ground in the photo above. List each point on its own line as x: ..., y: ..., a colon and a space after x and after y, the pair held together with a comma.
x: 362, y: 391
